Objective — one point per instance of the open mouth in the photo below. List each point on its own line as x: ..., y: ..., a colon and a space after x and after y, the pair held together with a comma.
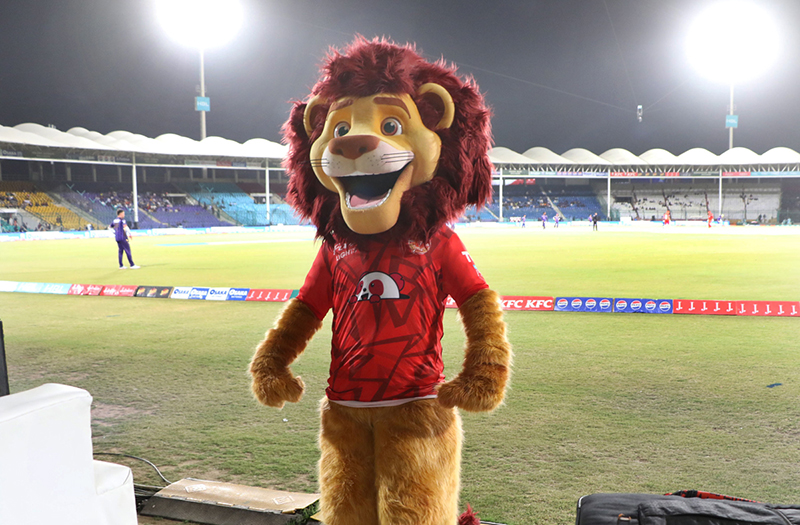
x: 369, y: 191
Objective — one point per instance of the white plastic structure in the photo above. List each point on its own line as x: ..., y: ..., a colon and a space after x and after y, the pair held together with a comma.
x: 47, y: 471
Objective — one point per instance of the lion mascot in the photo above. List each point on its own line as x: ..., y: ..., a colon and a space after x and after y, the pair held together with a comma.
x: 385, y: 152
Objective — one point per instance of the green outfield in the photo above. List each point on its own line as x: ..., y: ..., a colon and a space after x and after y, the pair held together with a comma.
x: 598, y: 402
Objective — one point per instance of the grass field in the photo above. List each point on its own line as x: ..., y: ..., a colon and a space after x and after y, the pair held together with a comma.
x: 598, y: 402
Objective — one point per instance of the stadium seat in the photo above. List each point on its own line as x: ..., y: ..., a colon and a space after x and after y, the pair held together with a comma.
x: 47, y: 474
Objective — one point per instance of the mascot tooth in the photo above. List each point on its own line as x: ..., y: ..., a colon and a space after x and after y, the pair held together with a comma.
x: 385, y: 152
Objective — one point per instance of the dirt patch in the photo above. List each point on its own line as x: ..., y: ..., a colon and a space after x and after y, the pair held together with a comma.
x: 106, y: 415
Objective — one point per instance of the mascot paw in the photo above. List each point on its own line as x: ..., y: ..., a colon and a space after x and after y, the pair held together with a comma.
x: 274, y: 390
x: 475, y: 392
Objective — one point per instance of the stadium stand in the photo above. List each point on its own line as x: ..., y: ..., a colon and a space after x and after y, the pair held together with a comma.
x: 741, y: 200
x: 25, y: 195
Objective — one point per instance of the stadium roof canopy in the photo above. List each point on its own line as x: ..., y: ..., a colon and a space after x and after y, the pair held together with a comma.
x: 655, y: 160
x: 36, y: 142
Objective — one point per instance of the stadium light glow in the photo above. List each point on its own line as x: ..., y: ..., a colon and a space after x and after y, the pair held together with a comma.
x: 201, y: 24
x: 732, y: 42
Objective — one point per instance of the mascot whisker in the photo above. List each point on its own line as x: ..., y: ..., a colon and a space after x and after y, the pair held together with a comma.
x: 388, y: 149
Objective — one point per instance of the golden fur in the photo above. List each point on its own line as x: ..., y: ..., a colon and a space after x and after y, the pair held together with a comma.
x: 487, y: 357
x: 390, y: 465
x: 273, y: 381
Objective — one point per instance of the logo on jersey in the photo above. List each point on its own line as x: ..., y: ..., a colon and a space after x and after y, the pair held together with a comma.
x: 378, y: 286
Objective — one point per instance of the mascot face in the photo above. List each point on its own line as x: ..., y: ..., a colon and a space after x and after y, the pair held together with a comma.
x: 372, y: 149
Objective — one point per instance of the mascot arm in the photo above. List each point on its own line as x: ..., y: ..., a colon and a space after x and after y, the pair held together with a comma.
x: 273, y: 381
x: 487, y: 361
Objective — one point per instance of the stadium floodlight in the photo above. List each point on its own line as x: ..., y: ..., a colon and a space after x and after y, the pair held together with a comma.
x: 201, y: 24
x: 732, y: 42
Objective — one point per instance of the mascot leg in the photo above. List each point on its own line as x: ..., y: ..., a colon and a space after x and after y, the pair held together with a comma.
x: 418, y: 461
x: 347, y: 466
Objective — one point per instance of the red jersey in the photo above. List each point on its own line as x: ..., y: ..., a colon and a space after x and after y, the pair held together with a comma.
x: 388, y: 304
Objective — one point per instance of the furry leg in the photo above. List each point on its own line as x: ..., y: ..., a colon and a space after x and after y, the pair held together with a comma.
x: 347, y: 466
x: 418, y: 462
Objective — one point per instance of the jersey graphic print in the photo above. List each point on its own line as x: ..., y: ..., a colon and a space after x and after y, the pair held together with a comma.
x: 375, y: 286
x: 388, y: 302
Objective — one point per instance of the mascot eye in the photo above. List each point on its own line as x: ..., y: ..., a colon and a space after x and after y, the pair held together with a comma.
x: 341, y: 129
x: 391, y: 126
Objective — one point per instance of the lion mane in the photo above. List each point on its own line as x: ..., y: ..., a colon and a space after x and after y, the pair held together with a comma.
x: 464, y: 173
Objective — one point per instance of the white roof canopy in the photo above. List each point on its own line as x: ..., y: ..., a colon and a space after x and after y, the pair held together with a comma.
x: 36, y: 142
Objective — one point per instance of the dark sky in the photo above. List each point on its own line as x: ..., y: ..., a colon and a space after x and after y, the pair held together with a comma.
x: 558, y: 73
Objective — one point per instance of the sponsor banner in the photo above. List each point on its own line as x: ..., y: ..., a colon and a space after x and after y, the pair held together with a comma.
x: 703, y: 307
x: 217, y: 294
x: 180, y: 292
x: 238, y: 294
x: 630, y: 306
x: 153, y: 292
x: 85, y: 289
x: 56, y: 288
x: 198, y: 294
x: 119, y: 290
x: 583, y: 304
x: 563, y: 304
x: 514, y: 302
x: 768, y: 308
x: 517, y: 302
x: 663, y: 306
x: 624, y: 173
x: 30, y: 287
x: 8, y: 286
x: 735, y: 173
x: 775, y: 173
x: 269, y: 295
x: 597, y: 304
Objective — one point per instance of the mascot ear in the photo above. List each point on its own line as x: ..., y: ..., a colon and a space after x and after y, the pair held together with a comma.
x: 312, y: 112
x: 440, y: 99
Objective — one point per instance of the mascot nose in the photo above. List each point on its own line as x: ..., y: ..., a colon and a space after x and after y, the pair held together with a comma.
x: 353, y: 146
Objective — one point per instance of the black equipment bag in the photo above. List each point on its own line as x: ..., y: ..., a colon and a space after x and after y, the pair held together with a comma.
x: 681, y: 508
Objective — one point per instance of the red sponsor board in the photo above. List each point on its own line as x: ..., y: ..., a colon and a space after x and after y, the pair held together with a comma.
x: 513, y: 302
x: 273, y: 296
x: 517, y: 302
x: 768, y: 308
x: 85, y: 289
x: 703, y: 307
x: 119, y: 290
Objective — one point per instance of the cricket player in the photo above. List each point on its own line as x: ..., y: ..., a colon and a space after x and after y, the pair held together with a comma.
x: 123, y: 236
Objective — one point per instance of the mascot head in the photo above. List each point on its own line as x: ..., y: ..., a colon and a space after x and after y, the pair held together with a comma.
x: 387, y: 143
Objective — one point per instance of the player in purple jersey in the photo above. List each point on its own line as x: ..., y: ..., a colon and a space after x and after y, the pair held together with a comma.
x: 123, y: 236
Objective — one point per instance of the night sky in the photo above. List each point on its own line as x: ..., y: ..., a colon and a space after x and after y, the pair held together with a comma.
x: 559, y: 74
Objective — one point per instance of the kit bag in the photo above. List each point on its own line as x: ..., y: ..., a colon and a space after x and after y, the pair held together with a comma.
x: 681, y: 508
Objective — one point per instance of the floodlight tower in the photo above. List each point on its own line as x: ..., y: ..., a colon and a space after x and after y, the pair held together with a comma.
x: 201, y: 24
x: 732, y: 41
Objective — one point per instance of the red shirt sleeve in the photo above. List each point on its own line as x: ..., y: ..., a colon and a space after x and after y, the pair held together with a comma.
x: 317, y: 290
x: 460, y: 277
